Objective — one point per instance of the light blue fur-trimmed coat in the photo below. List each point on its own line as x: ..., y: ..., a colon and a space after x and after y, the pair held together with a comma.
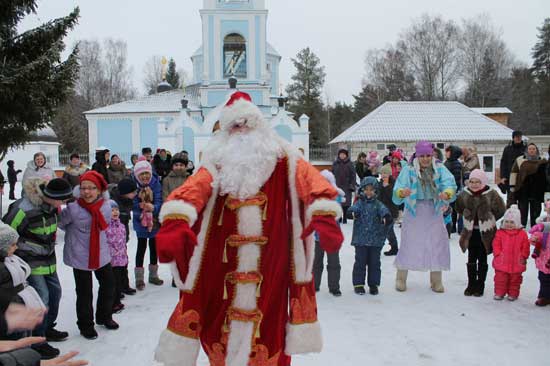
x: 409, y: 178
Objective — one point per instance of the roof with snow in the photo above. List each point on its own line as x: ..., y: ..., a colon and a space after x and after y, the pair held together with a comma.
x: 169, y: 101
x: 44, y: 134
x: 492, y: 110
x: 434, y: 121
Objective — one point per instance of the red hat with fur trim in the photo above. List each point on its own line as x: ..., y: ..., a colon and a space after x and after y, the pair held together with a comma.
x: 239, y: 110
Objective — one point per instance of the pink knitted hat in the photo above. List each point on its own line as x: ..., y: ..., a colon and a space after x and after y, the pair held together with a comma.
x: 513, y: 214
x: 479, y: 175
x: 142, y: 167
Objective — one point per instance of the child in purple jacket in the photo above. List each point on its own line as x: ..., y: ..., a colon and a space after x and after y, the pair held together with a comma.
x: 116, y: 237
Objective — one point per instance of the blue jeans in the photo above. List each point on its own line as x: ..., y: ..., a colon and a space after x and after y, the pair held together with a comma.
x: 367, y: 256
x: 49, y: 289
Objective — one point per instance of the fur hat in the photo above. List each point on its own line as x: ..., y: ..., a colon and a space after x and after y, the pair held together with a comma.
x: 513, y: 214
x: 141, y: 167
x: 113, y: 204
x: 57, y: 189
x: 424, y: 148
x: 8, y: 236
x: 179, y: 158
x: 126, y: 186
x: 479, y: 175
x: 240, y: 108
x: 95, y: 178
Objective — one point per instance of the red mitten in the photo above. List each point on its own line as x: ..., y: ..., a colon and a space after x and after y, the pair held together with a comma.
x: 330, y: 235
x: 175, y: 242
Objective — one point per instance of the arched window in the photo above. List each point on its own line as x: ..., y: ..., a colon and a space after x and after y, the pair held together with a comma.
x: 234, y: 56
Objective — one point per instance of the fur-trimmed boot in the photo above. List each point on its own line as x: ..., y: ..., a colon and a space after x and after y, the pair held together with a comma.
x: 472, y: 279
x: 154, y: 276
x: 436, y: 282
x: 481, y: 277
x: 140, y: 274
x: 401, y: 280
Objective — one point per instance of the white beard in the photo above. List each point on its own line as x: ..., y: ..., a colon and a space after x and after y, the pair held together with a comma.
x: 244, y: 161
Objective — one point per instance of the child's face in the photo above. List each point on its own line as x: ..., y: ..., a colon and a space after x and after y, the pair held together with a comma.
x: 475, y: 185
x: 369, y: 191
x: 385, y: 176
x: 89, y: 191
x: 145, y: 177
x: 509, y: 225
x: 115, y: 213
x: 12, y: 248
x: 178, y: 167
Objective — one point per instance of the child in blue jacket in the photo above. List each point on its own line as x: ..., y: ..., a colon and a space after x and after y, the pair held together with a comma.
x: 371, y: 222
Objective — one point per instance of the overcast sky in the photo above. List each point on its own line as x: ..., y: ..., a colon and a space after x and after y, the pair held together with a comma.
x: 339, y: 32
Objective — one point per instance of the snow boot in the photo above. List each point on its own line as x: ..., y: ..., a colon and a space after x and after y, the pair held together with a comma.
x: 153, y: 275
x: 401, y: 280
x: 54, y: 335
x: 373, y: 290
x: 46, y: 351
x: 472, y: 279
x: 140, y: 283
x: 481, y: 277
x: 359, y: 290
x: 436, y: 282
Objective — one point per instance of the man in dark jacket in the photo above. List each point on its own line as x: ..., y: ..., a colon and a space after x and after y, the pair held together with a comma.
x: 511, y: 152
x: 101, y: 161
x: 34, y: 217
x: 344, y: 172
x: 452, y: 154
x: 162, y: 163
x: 387, y: 158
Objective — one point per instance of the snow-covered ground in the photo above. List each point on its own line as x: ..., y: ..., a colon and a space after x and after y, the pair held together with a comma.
x: 417, y: 327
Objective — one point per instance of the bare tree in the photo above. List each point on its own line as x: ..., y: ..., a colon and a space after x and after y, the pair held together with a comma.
x: 152, y: 74
x: 430, y: 45
x: 105, y: 77
x: 481, y: 43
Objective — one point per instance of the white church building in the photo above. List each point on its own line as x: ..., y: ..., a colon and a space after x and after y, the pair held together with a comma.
x: 234, y: 48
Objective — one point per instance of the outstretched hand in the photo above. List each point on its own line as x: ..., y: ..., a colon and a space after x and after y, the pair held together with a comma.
x: 7, y: 346
x: 64, y: 360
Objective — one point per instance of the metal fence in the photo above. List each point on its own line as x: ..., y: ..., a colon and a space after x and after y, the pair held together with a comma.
x: 325, y: 153
x: 85, y: 157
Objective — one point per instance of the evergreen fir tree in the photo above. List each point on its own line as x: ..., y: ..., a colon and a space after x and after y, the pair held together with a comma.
x: 34, y: 81
x: 304, y: 93
x: 172, y: 76
x: 541, y: 71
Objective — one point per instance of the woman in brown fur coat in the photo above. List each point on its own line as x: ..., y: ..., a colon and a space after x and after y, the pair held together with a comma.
x: 481, y: 206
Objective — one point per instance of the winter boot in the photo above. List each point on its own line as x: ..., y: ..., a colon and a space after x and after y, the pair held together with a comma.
x: 46, y: 351
x: 481, y: 277
x: 472, y: 279
x: 54, y: 335
x: 436, y: 281
x: 359, y: 290
x: 401, y: 280
x: 140, y: 283
x: 153, y: 275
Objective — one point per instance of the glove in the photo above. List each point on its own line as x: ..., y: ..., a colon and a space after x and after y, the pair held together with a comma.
x: 330, y: 235
x: 176, y: 242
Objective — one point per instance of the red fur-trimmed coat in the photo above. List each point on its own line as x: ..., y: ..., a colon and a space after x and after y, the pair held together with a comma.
x: 488, y: 207
x: 247, y: 295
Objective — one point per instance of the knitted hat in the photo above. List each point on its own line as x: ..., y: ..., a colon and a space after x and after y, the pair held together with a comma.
x: 424, y: 148
x: 513, y: 214
x: 240, y: 107
x: 479, y: 175
x: 142, y: 167
x: 373, y: 160
x: 126, y: 186
x: 397, y: 154
x: 113, y: 204
x: 95, y: 178
x: 8, y: 236
x: 57, y: 189
x: 369, y: 181
x: 386, y: 169
x: 517, y: 133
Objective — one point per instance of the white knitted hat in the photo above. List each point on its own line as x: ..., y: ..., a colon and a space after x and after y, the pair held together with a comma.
x: 8, y: 236
x: 513, y: 214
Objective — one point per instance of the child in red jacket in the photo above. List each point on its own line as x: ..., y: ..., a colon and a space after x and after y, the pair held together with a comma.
x: 510, y: 251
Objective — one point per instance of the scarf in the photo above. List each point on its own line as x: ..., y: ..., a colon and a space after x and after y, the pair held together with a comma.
x: 98, y: 225
x: 19, y: 271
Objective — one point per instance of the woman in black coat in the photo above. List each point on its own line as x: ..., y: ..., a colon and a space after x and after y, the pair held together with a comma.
x: 344, y: 172
x: 452, y: 154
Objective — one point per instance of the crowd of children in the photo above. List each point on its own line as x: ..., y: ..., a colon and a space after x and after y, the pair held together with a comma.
x: 95, y: 217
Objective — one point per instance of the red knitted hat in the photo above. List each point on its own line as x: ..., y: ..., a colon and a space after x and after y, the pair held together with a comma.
x: 95, y: 178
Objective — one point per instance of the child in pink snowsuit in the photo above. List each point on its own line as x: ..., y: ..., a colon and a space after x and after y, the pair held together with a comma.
x: 116, y: 237
x: 540, y: 238
x: 510, y: 251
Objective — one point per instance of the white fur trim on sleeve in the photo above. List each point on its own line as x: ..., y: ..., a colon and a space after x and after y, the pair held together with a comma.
x: 175, y: 350
x: 325, y: 205
x: 303, y: 338
x: 177, y: 207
